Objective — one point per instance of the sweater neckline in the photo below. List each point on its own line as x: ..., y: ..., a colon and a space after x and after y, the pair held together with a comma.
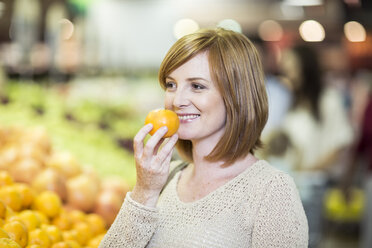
x: 214, y: 192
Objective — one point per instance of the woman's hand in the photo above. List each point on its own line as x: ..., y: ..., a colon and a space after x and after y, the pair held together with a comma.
x: 152, y: 164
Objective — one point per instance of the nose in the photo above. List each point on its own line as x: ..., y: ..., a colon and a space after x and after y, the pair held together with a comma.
x: 181, y: 98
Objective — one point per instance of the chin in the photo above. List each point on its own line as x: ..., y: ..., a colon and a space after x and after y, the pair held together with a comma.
x: 185, y: 136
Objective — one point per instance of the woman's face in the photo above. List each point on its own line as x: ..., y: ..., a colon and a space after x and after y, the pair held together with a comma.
x: 192, y: 94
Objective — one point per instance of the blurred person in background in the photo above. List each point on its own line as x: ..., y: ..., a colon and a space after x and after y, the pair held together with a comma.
x: 25, y: 31
x: 359, y: 172
x: 279, y: 94
x: 223, y: 196
x: 317, y: 129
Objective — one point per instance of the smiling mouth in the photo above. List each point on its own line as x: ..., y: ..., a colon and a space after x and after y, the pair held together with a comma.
x: 187, y: 117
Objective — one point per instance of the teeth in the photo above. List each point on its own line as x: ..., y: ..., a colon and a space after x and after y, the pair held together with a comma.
x: 186, y: 117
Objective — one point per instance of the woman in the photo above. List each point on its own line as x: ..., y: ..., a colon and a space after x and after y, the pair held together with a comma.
x: 317, y: 128
x: 225, y: 196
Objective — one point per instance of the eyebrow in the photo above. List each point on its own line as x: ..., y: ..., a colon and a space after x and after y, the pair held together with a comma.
x: 190, y: 79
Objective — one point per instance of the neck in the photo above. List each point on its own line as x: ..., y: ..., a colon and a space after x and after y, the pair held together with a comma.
x: 201, y: 167
x: 200, y: 150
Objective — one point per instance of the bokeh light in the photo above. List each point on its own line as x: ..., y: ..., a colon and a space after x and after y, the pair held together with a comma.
x: 303, y: 2
x: 270, y: 30
x: 354, y: 31
x: 230, y: 24
x: 184, y: 27
x: 67, y: 29
x: 312, y: 31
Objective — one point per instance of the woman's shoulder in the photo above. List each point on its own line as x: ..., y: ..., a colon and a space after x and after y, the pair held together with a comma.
x: 267, y: 173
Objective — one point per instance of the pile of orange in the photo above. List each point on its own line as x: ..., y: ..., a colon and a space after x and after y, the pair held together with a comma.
x: 27, y: 155
x: 32, y: 220
x: 36, y: 210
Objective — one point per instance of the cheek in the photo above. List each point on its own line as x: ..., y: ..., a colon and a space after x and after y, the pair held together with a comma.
x: 168, y: 101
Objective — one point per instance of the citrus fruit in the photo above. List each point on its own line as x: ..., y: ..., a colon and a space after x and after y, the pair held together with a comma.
x: 63, y: 221
x: 17, y: 231
x: 39, y: 237
x: 5, y: 178
x: 11, y: 197
x: 84, y: 232
x: 70, y: 235
x: 77, y: 216
x: 2, y: 209
x: 42, y: 217
x: 9, y: 213
x: 27, y: 194
x: 49, y: 203
x: 163, y: 117
x: 3, y: 233
x: 34, y: 246
x: 73, y: 244
x: 96, y: 223
x: 61, y: 245
x: 8, y: 243
x: 54, y: 233
x: 94, y: 242
x: 30, y: 219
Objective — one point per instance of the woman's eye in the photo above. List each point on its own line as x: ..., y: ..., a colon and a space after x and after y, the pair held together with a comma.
x: 197, y: 86
x: 170, y: 85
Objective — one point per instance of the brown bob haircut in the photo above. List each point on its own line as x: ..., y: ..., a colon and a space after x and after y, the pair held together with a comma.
x: 237, y: 72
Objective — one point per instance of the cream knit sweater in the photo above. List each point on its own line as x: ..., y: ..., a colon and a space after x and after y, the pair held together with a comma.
x: 258, y: 208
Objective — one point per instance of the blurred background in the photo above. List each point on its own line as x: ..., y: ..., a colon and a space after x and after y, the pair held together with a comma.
x: 77, y: 78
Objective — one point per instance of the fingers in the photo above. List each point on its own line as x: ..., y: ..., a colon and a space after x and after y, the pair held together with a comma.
x: 171, y: 142
x: 139, y: 138
x: 150, y: 154
x: 166, y: 152
x: 154, y: 141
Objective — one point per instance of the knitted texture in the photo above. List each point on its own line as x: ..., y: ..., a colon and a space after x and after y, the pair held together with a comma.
x: 258, y: 208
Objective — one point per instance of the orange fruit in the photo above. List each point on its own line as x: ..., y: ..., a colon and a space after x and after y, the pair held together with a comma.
x: 49, y: 203
x: 8, y: 243
x: 27, y: 194
x: 63, y: 221
x: 96, y: 223
x: 84, y: 232
x: 17, y: 231
x: 34, y: 246
x: 61, y: 245
x: 70, y: 235
x: 11, y: 197
x: 5, y: 178
x: 9, y: 213
x: 2, y: 209
x: 30, y: 219
x: 42, y: 217
x: 54, y: 233
x: 77, y: 216
x: 73, y: 244
x: 3, y: 234
x: 39, y: 237
x: 94, y: 242
x: 163, y: 117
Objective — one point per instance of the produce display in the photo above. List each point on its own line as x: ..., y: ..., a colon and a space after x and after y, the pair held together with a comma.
x: 33, y: 219
x: 98, y: 134
x: 65, y: 166
x: 34, y: 177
